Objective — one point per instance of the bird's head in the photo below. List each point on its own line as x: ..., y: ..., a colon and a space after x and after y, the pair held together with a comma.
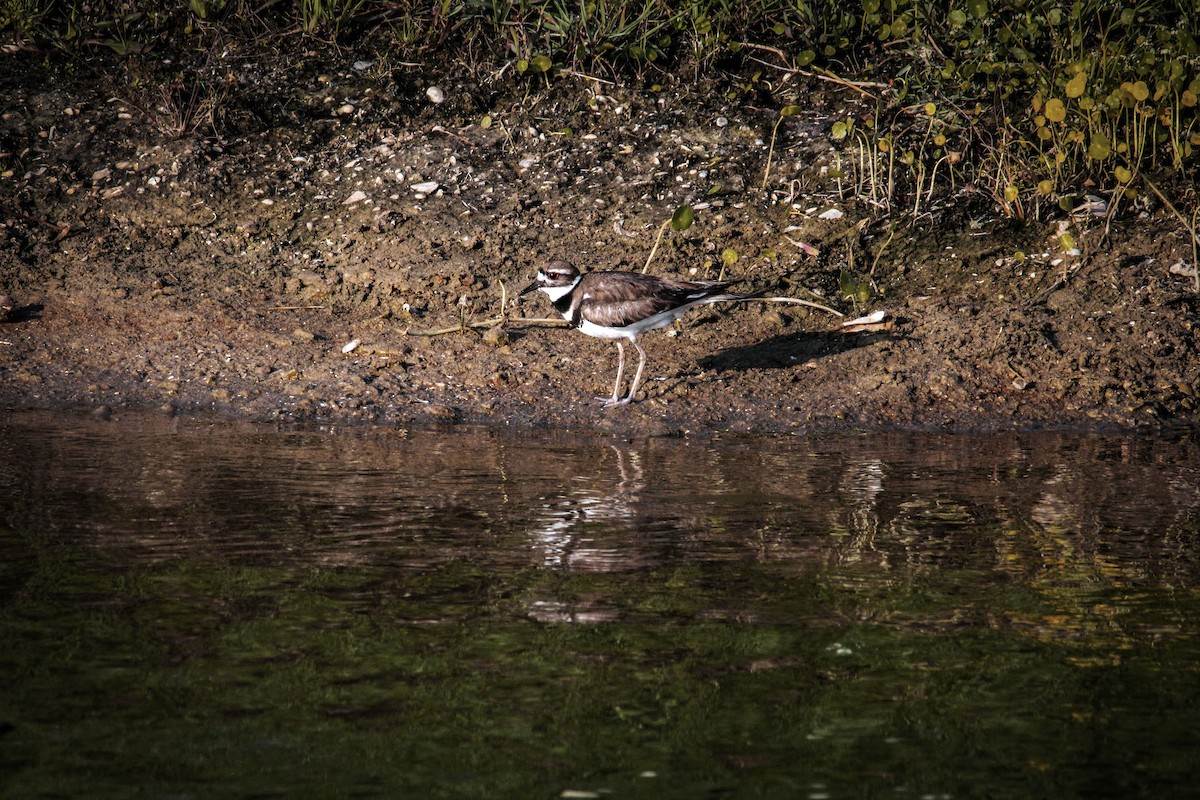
x: 554, y: 278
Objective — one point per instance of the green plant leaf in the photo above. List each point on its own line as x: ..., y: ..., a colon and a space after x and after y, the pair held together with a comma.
x: 790, y: 111
x: 1077, y: 85
x: 541, y: 63
x: 1099, y: 148
x: 729, y: 256
x: 1055, y: 110
x: 683, y: 218
x: 840, y: 131
x: 856, y: 290
x: 978, y: 8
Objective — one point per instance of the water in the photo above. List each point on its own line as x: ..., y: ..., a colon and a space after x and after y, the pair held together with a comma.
x: 195, y: 609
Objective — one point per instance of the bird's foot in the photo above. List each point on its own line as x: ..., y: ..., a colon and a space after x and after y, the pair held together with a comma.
x: 610, y: 402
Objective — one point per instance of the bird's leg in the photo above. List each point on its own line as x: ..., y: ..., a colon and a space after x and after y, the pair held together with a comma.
x: 614, y: 400
x: 637, y: 378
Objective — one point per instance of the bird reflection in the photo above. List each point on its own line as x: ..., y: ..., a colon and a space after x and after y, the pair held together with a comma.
x: 592, y: 528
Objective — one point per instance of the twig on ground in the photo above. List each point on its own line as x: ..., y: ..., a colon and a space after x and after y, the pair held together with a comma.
x: 657, y: 241
x: 794, y: 301
x: 1191, y: 229
x: 487, y: 323
x: 817, y: 72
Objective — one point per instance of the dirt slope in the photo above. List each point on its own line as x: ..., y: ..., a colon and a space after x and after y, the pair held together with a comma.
x: 340, y: 205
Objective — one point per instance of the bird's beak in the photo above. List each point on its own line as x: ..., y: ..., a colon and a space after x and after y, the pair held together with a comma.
x: 530, y: 288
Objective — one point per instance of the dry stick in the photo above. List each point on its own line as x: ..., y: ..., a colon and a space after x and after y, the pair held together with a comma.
x: 657, y: 241
x: 1190, y: 228
x: 879, y: 255
x: 771, y: 151
x: 793, y: 301
x: 818, y: 73
x: 486, y: 323
x: 559, y: 323
x: 293, y: 308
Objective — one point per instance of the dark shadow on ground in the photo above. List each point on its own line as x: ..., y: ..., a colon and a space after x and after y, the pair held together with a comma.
x: 24, y: 313
x: 789, y: 350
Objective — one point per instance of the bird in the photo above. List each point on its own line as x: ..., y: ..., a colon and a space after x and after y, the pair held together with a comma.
x: 620, y: 305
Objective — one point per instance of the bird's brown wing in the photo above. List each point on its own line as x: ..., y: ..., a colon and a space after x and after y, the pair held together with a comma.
x: 623, y: 298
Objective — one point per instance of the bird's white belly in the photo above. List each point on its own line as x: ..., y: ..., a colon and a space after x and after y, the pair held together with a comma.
x: 592, y: 329
x: 631, y: 331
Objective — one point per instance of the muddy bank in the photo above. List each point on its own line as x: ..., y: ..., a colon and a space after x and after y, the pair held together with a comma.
x: 337, y: 205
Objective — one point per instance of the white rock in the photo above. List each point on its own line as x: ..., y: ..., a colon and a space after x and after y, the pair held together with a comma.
x: 832, y: 213
x: 360, y: 66
x: 351, y: 346
x: 357, y: 197
x: 428, y: 187
x: 435, y: 95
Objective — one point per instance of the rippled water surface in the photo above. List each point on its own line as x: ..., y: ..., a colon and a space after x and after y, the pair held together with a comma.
x: 193, y: 610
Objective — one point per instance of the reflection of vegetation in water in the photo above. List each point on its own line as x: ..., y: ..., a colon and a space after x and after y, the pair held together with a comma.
x: 248, y: 679
x: 444, y: 615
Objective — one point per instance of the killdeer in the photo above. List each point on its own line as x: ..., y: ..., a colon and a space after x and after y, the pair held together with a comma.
x: 621, y: 305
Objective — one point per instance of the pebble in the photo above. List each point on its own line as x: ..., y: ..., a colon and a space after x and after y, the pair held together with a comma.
x: 497, y: 336
x: 427, y: 187
x: 435, y: 95
x: 302, y: 336
x: 102, y: 412
x: 351, y: 346
x: 774, y: 319
x: 443, y: 412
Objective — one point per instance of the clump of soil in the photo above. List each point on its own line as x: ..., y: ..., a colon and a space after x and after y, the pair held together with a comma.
x: 274, y: 252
